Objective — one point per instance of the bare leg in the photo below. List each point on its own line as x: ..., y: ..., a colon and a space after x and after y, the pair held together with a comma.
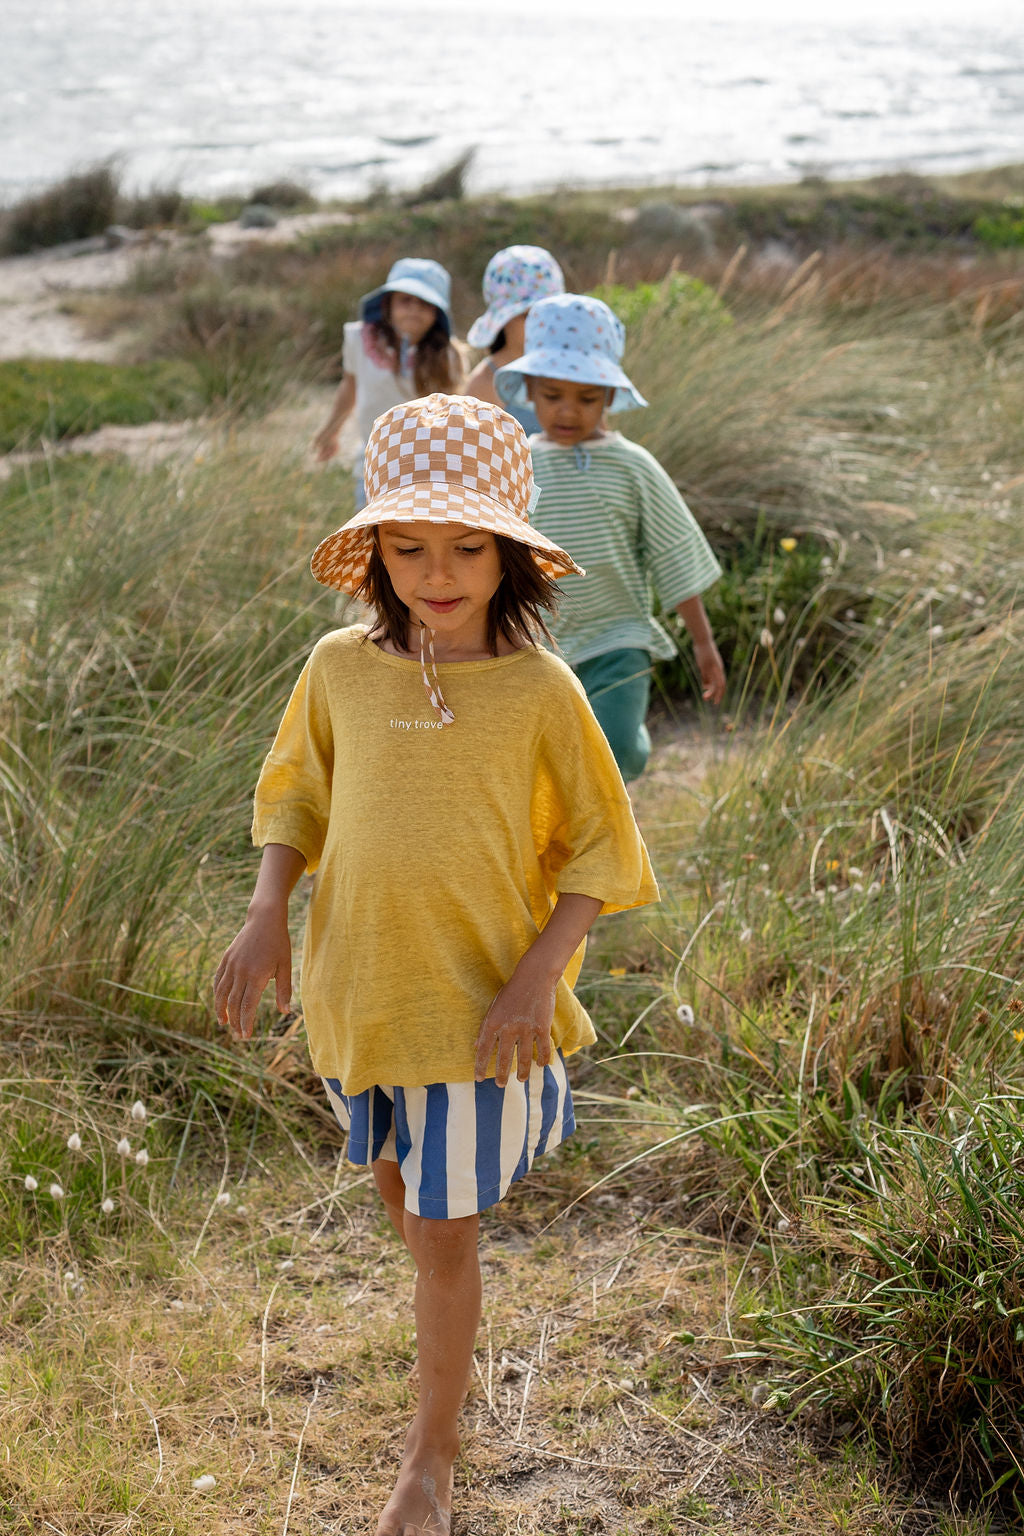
x: 447, y: 1314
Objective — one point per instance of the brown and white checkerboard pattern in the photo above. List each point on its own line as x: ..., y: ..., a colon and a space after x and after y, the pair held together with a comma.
x: 445, y: 458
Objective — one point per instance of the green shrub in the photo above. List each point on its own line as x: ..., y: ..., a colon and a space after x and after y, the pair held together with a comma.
x: 921, y: 1337
x: 76, y: 208
x: 678, y: 298
x: 1000, y: 230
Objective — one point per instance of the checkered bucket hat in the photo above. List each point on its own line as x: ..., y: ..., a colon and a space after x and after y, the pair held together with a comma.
x: 574, y: 337
x: 514, y: 280
x: 442, y: 459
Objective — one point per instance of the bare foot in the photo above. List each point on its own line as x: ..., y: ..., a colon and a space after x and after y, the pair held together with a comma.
x: 421, y: 1503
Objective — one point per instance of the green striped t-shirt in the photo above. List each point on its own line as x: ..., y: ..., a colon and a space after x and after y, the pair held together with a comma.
x: 612, y: 506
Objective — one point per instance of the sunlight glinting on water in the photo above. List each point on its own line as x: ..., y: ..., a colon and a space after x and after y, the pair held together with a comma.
x: 342, y: 97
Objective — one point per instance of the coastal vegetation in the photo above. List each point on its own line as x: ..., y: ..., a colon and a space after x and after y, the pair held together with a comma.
x: 776, y: 1281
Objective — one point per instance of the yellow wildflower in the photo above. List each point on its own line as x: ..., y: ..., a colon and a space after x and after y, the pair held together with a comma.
x: 788, y: 545
x: 617, y: 970
x: 1018, y: 1035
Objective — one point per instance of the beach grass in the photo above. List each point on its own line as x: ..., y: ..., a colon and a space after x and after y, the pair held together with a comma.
x: 774, y: 1280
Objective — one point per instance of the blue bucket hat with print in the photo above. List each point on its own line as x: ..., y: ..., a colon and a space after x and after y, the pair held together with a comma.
x: 574, y: 337
x: 514, y: 280
x: 418, y: 275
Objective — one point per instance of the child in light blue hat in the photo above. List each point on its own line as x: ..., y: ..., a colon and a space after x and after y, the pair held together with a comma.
x: 612, y: 506
x: 399, y: 349
x: 514, y: 280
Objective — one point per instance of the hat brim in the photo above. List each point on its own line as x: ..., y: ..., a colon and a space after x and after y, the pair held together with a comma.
x: 370, y: 305
x: 340, y: 560
x: 575, y: 367
x: 494, y: 319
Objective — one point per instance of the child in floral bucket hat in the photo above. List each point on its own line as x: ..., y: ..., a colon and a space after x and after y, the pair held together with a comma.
x: 609, y: 502
x: 445, y: 779
x: 400, y: 347
x: 515, y: 279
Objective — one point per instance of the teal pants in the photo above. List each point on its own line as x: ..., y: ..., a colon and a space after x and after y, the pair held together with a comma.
x: 618, y: 686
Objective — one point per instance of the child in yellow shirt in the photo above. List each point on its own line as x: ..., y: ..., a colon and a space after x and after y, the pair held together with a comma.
x: 444, y: 777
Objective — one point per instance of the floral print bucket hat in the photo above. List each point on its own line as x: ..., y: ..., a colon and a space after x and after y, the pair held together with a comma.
x: 574, y: 337
x: 514, y: 280
x: 418, y: 275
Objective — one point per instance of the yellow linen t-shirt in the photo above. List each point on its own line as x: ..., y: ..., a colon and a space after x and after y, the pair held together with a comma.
x: 439, y: 853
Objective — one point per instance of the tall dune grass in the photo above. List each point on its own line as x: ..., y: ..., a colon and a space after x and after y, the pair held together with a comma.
x: 832, y: 986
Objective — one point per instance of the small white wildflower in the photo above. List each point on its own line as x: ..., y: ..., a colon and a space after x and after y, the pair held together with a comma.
x: 874, y: 888
x: 779, y: 616
x: 138, y: 1110
x: 783, y: 1224
x: 287, y: 1264
x: 31, y: 1184
x: 799, y: 643
x: 240, y: 1210
x: 124, y: 1147
x: 905, y: 554
x: 764, y: 868
x: 177, y: 1305
x: 856, y: 886
x: 56, y: 1192
x: 935, y: 631
x: 205, y: 1484
x: 684, y: 1013
x: 766, y: 638
x: 746, y: 935
x: 74, y: 1142
x: 854, y: 872
x: 69, y: 1277
x: 106, y: 1206
x: 223, y: 1198
x: 142, y: 1157
x: 850, y: 614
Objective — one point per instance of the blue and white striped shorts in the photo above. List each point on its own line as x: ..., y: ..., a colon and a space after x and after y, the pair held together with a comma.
x: 459, y: 1146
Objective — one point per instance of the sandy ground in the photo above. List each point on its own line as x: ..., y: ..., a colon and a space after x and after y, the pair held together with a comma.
x: 38, y: 319
x: 34, y: 290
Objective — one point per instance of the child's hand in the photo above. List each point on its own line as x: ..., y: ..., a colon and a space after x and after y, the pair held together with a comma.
x: 518, y: 1023
x: 325, y: 445
x: 712, y: 671
x: 261, y: 951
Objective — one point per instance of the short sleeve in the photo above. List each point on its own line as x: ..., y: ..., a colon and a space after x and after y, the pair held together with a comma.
x: 594, y: 846
x: 293, y: 794
x: 352, y: 346
x: 676, y: 554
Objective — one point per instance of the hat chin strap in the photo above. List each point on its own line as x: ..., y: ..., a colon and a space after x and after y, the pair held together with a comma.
x: 432, y: 683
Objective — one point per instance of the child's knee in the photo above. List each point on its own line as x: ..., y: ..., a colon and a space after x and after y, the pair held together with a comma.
x: 441, y: 1246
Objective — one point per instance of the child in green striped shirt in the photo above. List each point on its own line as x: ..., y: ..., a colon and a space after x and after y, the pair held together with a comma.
x: 609, y: 502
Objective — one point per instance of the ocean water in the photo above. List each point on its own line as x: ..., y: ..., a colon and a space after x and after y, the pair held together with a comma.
x: 218, y: 95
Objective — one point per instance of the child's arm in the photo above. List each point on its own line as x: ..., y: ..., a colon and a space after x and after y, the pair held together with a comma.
x: 518, y: 1022
x: 325, y: 444
x: 709, y: 662
x: 262, y: 950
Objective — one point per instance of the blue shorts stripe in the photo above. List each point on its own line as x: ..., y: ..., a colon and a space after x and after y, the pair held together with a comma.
x: 433, y: 1182
x: 489, y: 1101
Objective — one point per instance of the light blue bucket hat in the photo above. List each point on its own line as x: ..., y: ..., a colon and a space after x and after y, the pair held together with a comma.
x: 574, y: 337
x: 418, y: 275
x: 514, y: 280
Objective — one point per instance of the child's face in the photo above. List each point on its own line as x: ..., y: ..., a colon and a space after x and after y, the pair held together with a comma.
x: 410, y: 317
x: 446, y: 575
x: 568, y: 413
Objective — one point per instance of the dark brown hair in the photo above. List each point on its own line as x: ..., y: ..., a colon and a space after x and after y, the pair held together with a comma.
x: 515, y: 613
x: 437, y: 366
